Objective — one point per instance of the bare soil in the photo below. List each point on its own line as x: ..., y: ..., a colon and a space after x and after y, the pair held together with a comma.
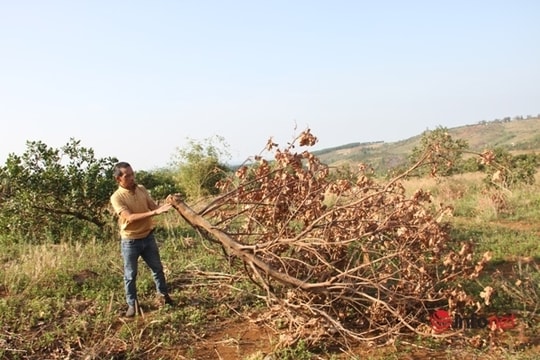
x: 241, y: 340
x: 234, y: 340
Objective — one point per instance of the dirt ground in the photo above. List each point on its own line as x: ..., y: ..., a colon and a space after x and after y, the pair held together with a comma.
x: 237, y: 340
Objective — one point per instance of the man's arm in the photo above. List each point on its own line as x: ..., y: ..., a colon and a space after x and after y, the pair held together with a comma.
x: 130, y: 217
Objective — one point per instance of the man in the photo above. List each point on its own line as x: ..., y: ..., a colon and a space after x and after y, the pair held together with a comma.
x: 135, y: 209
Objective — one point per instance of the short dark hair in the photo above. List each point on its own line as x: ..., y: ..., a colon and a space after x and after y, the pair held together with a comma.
x: 118, y: 166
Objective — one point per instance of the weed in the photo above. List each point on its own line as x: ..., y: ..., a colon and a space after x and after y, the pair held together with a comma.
x: 298, y: 352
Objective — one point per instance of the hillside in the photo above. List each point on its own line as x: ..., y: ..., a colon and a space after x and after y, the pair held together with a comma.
x: 518, y: 135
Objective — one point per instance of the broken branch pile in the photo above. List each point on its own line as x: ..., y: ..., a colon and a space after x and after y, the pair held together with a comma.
x: 340, y: 256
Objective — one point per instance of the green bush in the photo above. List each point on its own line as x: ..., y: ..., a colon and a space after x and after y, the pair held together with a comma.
x: 55, y: 194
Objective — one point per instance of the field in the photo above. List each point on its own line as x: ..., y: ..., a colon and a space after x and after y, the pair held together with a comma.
x: 65, y: 301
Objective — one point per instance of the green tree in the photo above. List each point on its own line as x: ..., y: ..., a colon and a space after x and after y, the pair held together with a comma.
x: 49, y: 193
x: 200, y: 165
x: 160, y: 183
x: 439, y: 152
x: 505, y: 170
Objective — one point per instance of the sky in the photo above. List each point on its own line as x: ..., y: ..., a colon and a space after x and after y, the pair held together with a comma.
x: 137, y: 80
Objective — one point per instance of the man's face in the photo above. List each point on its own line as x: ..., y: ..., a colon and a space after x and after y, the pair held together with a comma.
x: 127, y: 179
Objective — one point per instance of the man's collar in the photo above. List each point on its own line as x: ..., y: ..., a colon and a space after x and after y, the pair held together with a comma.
x: 128, y: 190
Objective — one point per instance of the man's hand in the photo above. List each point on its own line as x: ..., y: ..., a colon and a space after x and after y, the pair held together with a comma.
x: 162, y: 209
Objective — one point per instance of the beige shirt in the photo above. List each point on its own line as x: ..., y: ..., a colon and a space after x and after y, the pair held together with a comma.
x: 138, y: 201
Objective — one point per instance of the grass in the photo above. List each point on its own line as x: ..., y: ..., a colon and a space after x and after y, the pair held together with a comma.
x: 65, y: 300
x: 71, y: 294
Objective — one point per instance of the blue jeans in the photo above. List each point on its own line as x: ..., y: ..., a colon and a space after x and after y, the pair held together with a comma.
x: 148, y: 250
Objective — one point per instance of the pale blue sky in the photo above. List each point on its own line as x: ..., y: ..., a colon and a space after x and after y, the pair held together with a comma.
x: 134, y: 79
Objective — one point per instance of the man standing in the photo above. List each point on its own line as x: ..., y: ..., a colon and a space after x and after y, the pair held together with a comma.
x: 135, y: 209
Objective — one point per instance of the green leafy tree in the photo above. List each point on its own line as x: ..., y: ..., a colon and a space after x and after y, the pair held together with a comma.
x: 160, y: 183
x: 505, y: 170
x: 49, y: 193
x: 440, y: 152
x: 469, y: 165
x: 200, y: 165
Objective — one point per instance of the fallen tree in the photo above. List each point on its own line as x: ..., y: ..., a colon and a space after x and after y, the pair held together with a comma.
x: 341, y: 258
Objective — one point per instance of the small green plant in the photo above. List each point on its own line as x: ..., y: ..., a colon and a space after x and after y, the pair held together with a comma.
x: 298, y: 352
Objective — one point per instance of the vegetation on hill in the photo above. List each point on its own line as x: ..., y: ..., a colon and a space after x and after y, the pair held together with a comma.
x: 514, y: 135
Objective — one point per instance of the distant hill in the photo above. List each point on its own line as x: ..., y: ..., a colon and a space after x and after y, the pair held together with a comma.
x: 516, y: 135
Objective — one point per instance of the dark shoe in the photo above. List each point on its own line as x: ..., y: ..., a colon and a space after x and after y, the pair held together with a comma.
x: 167, y: 300
x: 131, y: 312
